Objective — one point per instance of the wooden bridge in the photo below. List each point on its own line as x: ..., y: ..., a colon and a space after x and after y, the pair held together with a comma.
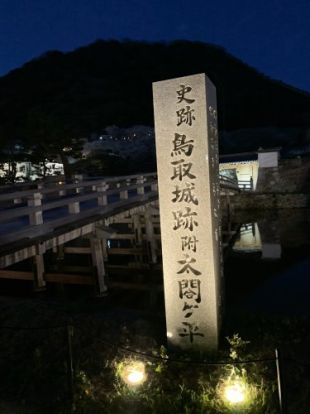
x: 39, y: 219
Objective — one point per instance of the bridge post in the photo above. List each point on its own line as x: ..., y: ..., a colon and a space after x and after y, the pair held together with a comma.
x: 98, y: 263
x: 140, y: 183
x: 61, y: 253
x: 35, y: 217
x: 231, y: 205
x: 102, y: 197
x: 39, y: 268
x: 137, y: 228
x: 149, y: 230
x: 154, y: 187
x: 104, y: 250
x: 228, y: 206
x: 138, y: 240
x: 63, y: 191
x: 74, y: 208
x: 124, y: 193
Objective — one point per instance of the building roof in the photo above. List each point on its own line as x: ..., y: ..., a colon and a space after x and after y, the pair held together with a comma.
x: 238, y: 157
x: 275, y: 149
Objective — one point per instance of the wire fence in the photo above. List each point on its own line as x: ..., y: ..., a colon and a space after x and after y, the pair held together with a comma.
x: 34, y: 366
x: 43, y: 366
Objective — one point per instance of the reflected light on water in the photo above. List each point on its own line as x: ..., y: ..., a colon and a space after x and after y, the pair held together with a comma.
x: 252, y: 241
x: 249, y: 240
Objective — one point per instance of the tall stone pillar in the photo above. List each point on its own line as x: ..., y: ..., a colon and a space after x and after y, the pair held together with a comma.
x: 188, y: 180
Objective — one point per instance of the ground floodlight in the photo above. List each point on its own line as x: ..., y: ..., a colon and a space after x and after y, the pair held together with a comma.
x: 234, y: 393
x: 133, y: 373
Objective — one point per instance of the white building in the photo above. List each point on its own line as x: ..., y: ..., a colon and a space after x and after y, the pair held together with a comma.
x: 27, y: 171
x: 245, y: 166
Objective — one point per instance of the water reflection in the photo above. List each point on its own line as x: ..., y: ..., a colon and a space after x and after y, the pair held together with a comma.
x: 253, y: 239
x: 249, y: 239
x: 281, y: 285
x: 271, y: 251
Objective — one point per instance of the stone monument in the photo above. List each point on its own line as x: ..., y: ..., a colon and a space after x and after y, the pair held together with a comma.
x: 188, y: 180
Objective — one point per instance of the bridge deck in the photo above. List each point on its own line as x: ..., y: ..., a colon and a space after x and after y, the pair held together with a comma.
x: 35, y: 220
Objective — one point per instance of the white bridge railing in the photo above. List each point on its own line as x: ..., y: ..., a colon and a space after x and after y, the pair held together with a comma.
x: 33, y: 203
x: 70, y: 199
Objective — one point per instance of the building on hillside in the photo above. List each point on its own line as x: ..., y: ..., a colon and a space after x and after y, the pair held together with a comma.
x: 242, y: 166
x: 26, y: 171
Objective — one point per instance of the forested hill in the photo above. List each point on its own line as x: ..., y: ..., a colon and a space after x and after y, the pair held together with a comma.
x: 110, y: 82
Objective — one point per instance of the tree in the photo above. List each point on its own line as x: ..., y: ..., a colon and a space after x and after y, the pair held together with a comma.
x: 50, y: 136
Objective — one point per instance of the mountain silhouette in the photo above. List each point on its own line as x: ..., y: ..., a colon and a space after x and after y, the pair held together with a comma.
x: 110, y: 82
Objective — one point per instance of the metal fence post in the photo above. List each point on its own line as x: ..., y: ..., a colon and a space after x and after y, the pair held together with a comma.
x: 70, y: 370
x: 280, y: 383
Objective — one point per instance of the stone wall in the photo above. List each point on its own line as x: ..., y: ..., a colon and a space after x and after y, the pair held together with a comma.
x: 291, y: 176
x: 261, y: 201
x: 290, y: 227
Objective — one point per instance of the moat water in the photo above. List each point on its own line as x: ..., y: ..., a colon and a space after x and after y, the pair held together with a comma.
x: 266, y: 271
x: 269, y: 266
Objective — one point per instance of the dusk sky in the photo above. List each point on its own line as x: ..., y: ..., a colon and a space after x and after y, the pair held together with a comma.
x: 273, y: 36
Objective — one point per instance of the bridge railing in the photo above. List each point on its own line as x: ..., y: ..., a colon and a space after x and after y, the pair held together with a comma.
x: 47, y: 187
x: 229, y: 183
x: 246, y: 185
x: 89, y: 194
x: 32, y: 203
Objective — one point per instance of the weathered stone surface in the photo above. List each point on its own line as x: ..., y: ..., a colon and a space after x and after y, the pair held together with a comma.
x: 291, y: 176
x: 188, y: 181
x: 261, y: 201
